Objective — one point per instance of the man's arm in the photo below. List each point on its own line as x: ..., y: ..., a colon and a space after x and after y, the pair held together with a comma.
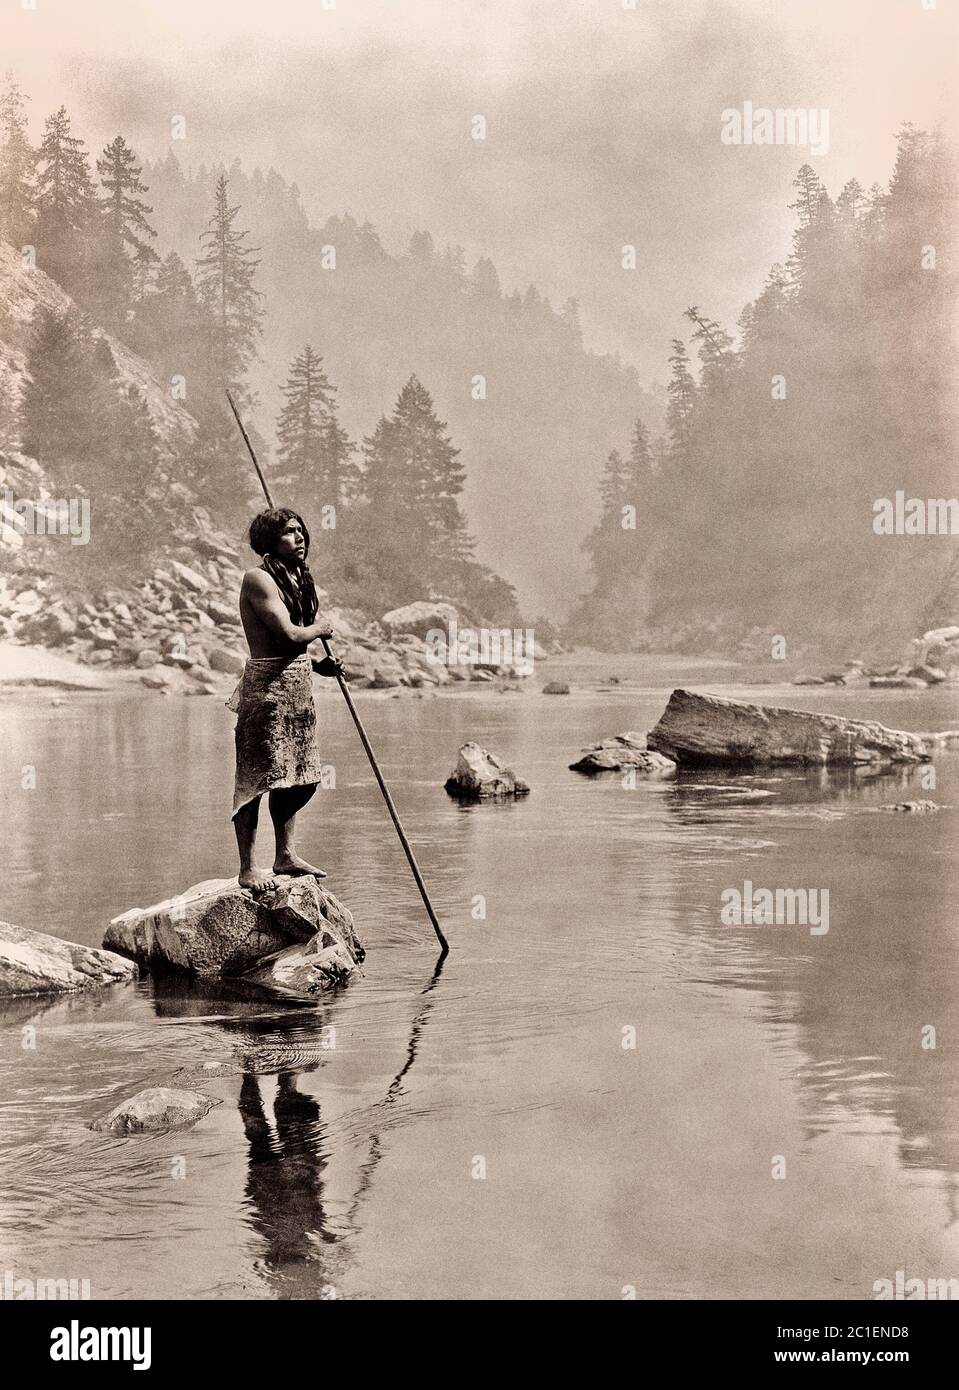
x: 264, y: 598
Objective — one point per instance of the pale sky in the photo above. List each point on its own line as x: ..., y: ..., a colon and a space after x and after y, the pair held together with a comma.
x: 603, y: 122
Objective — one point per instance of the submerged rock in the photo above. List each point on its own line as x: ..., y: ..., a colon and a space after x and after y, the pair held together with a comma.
x: 555, y: 688
x: 479, y: 775
x: 219, y: 928
x: 916, y: 808
x: 156, y: 1108
x: 623, y: 751
x: 702, y: 729
x: 32, y: 962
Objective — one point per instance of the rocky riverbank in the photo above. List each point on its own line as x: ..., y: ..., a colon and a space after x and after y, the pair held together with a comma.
x: 177, y: 630
x: 932, y: 659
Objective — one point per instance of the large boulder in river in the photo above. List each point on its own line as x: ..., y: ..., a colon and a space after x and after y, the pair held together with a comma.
x: 479, y: 775
x: 33, y: 963
x: 219, y: 928
x: 621, y: 752
x: 703, y: 729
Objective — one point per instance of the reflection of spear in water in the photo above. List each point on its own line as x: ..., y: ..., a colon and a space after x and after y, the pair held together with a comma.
x: 394, y: 816
x: 396, y: 1085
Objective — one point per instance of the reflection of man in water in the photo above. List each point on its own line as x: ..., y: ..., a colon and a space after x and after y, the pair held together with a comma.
x: 276, y: 749
x: 283, y: 1182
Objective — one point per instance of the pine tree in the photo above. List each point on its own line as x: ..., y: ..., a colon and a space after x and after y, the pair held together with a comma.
x: 225, y: 289
x: 852, y: 201
x: 414, y: 482
x: 639, y: 467
x: 811, y: 260
x: 166, y: 326
x: 124, y: 253
x: 613, y: 485
x: 65, y: 203
x: 613, y: 614
x: 763, y: 318
x: 63, y: 406
x: 420, y: 250
x: 569, y: 315
x: 314, y: 452
x: 16, y: 168
x: 135, y: 445
x: 484, y: 281
x: 715, y: 349
x: 681, y: 393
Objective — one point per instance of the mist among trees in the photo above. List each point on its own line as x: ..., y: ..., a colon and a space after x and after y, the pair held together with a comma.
x: 422, y: 416
x: 755, y: 509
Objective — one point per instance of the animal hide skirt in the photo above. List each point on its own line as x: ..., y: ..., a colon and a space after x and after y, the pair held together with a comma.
x: 275, y: 727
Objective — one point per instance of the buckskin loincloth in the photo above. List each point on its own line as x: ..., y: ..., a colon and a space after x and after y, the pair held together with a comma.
x: 275, y: 727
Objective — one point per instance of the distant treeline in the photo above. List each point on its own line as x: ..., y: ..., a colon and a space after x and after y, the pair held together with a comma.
x: 755, y: 511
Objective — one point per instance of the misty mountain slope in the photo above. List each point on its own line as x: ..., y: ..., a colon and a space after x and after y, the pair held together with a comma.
x: 532, y: 449
x: 24, y: 296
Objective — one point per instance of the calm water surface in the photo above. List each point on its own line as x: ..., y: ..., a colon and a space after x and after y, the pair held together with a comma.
x: 352, y: 1171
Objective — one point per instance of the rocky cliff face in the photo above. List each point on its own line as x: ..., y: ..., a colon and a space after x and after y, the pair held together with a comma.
x: 24, y: 294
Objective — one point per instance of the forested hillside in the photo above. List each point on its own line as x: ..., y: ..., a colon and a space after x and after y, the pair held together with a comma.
x: 756, y: 511
x: 217, y: 279
x: 525, y: 403
x: 446, y: 437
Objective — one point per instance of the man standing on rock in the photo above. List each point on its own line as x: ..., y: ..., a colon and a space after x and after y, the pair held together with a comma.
x: 276, y: 749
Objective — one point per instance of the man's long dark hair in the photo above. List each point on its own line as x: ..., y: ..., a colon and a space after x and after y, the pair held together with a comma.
x: 296, y: 586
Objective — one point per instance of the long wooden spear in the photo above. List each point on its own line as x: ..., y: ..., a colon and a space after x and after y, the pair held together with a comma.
x: 390, y: 806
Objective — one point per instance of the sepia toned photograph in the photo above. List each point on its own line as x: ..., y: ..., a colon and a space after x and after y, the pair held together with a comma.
x: 479, y: 660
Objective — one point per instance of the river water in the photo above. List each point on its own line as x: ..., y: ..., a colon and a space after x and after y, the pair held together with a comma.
x: 782, y: 1126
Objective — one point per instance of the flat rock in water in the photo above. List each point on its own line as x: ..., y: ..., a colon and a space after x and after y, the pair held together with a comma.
x: 219, y: 928
x: 897, y: 683
x: 623, y: 751
x: 479, y: 775
x: 156, y: 1108
x: 32, y: 962
x: 697, y: 730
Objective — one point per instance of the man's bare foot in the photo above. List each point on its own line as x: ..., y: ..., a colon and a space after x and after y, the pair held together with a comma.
x: 296, y: 866
x: 258, y: 880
